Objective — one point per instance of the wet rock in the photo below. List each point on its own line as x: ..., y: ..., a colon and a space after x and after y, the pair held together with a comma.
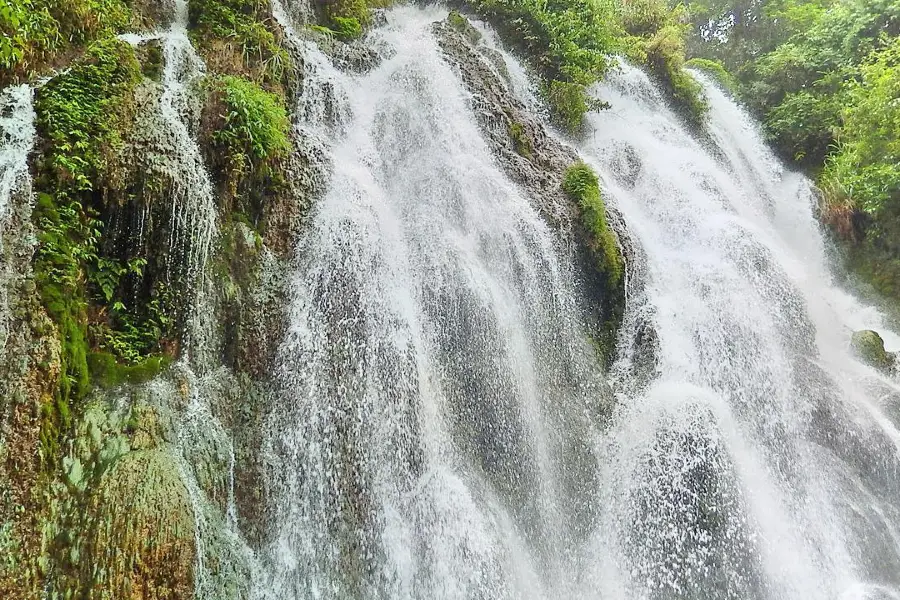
x: 154, y: 14
x: 508, y: 125
x: 869, y: 347
x: 141, y: 541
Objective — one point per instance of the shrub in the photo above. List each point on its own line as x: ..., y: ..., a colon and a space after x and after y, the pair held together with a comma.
x: 256, y: 125
x: 568, y: 43
x: 665, y: 59
x: 34, y: 32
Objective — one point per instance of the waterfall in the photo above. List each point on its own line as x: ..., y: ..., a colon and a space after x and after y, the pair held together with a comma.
x: 761, y: 461
x: 439, y: 423
x: 16, y: 141
x: 437, y: 385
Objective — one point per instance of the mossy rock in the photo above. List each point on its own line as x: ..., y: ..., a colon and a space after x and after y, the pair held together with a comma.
x: 869, y: 348
x: 461, y: 24
x: 141, y: 543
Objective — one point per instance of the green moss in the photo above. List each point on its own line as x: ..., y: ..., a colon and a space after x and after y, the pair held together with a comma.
x: 569, y: 102
x: 717, y: 71
x: 347, y: 18
x: 581, y: 184
x: 869, y: 347
x: 79, y: 115
x: 238, y: 37
x: 346, y: 28
x: 520, y: 141
x: 138, y: 532
x: 461, y: 24
x: 106, y: 371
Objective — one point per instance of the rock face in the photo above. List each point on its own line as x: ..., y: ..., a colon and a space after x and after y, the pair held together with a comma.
x: 538, y: 162
x: 869, y: 347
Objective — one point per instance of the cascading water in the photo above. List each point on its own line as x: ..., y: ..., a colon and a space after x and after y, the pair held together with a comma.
x: 758, y: 463
x: 16, y: 141
x: 437, y: 386
x: 440, y: 431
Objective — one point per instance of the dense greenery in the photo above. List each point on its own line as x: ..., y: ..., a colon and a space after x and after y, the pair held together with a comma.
x: 238, y: 37
x: 80, y: 116
x: 32, y: 32
x: 570, y: 43
x: 824, y: 78
x: 248, y: 136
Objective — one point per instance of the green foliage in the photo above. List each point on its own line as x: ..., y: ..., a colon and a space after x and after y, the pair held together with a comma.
x: 461, y: 24
x: 824, y: 78
x: 717, y: 71
x: 569, y: 44
x: 348, y: 18
x: 223, y: 28
x: 581, y: 184
x: 665, y: 58
x: 865, y: 169
x: 81, y: 115
x: 33, y: 32
x: 256, y: 125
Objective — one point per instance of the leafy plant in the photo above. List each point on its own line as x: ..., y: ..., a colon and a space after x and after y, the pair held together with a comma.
x: 255, y: 122
x: 34, y: 32
x: 244, y: 28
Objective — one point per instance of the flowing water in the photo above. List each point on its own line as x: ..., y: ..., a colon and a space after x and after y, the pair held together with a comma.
x: 442, y: 430
x: 16, y: 142
x: 761, y: 461
x: 437, y: 386
x: 441, y: 426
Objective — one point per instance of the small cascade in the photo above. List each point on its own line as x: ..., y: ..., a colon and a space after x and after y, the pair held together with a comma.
x: 193, y: 207
x: 16, y: 141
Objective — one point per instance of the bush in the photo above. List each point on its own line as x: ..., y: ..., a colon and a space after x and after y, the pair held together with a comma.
x: 568, y: 43
x: 256, y: 125
x: 865, y: 170
x: 665, y: 58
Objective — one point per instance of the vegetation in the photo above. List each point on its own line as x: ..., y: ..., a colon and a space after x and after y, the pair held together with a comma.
x: 656, y: 39
x: 238, y: 37
x: 570, y: 44
x: 824, y: 77
x: 581, y: 184
x: 717, y: 71
x: 35, y: 33
x: 84, y: 284
x: 249, y: 136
